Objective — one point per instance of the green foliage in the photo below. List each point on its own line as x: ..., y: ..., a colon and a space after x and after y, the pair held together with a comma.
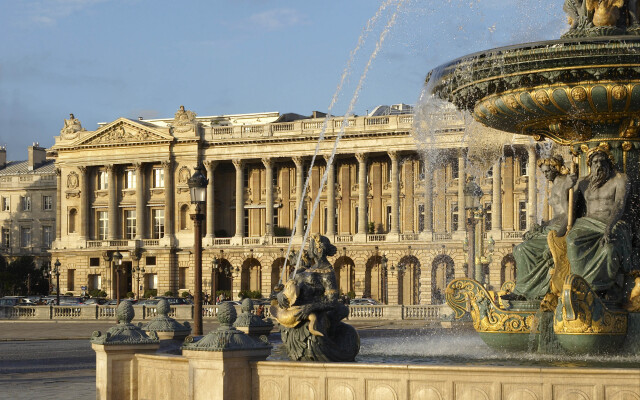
x: 185, y: 294
x: 280, y: 231
x: 380, y: 229
x: 252, y: 294
x: 69, y: 294
x: 371, y: 229
x: 150, y: 293
x: 168, y: 293
x: 227, y: 293
x: 130, y: 295
x: 351, y: 294
x: 21, y: 277
x: 97, y: 293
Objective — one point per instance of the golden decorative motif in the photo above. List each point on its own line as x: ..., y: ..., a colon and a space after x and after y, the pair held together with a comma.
x: 630, y: 128
x: 633, y: 302
x: 584, y: 148
x: 579, y: 94
x: 619, y: 92
x: 492, y: 108
x: 511, y: 101
x: 582, y: 311
x: 562, y: 268
x: 486, y: 315
x: 542, y: 97
x: 626, y: 146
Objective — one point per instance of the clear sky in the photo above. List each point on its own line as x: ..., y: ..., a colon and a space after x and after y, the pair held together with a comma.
x: 105, y: 59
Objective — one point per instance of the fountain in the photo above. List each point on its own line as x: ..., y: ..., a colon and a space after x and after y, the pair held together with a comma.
x: 581, y: 91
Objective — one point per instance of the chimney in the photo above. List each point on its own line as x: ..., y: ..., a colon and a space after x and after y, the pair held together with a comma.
x: 37, y: 155
x: 3, y: 156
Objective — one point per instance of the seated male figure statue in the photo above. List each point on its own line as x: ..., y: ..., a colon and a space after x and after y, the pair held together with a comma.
x: 599, y: 244
x: 533, y: 258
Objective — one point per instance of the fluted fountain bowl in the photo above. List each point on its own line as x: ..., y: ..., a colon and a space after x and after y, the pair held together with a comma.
x: 569, y: 90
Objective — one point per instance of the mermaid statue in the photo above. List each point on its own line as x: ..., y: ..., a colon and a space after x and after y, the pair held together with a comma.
x: 310, y: 313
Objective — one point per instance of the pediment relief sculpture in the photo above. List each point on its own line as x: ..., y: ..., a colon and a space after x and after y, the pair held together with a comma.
x: 184, y: 120
x: 123, y: 134
x: 71, y: 128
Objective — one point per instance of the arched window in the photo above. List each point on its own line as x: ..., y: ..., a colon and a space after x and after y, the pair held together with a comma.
x: 72, y: 220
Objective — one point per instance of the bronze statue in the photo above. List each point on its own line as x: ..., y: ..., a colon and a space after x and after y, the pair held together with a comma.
x: 310, y: 312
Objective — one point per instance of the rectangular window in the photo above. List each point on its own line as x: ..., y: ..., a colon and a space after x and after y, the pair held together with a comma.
x: 47, y: 203
x: 275, y: 176
x: 246, y: 222
x: 94, y: 262
x: 182, y: 277
x: 6, y: 237
x: 25, y: 236
x: 355, y: 230
x: 388, y: 218
x: 130, y: 224
x: 103, y: 180
x: 158, y: 223
x: 524, y: 166
x: 325, y: 220
x: 95, y: 281
x: 275, y: 217
x: 487, y: 216
x: 71, y: 279
x: 130, y: 179
x: 47, y: 236
x: 6, y: 204
x: 151, y: 281
x: 455, y: 170
x: 150, y: 260
x: 522, y: 215
x: 389, y: 177
x: 26, y: 203
x: 103, y: 225
x: 158, y: 177
x: 421, y: 170
x: 245, y: 177
x: 420, y: 217
x: 454, y: 217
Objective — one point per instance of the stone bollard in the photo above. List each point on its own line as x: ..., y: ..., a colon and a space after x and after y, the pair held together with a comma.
x: 116, y: 367
x: 170, y: 332
x: 250, y: 323
x: 219, y: 362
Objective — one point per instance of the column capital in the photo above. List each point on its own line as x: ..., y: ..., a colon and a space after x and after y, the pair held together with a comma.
x: 531, y: 149
x: 267, y: 162
x: 238, y: 163
x: 298, y: 161
x: 58, y: 171
x: 211, y: 164
x: 166, y: 164
x: 109, y: 168
x: 83, y: 169
x: 362, y: 157
x: 138, y: 166
x: 393, y: 155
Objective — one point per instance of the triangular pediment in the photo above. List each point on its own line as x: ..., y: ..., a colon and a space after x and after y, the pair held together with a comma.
x: 124, y: 131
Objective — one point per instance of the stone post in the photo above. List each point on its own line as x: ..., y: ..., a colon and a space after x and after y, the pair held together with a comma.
x: 140, y: 209
x: 427, y: 231
x: 219, y: 363
x: 496, y: 201
x: 237, y: 238
x: 298, y: 161
x: 59, y: 206
x: 85, y: 210
x: 169, y: 189
x: 362, y: 196
x: 532, y: 186
x: 331, y: 199
x: 395, y: 197
x: 268, y: 164
x: 211, y: 169
x: 113, y: 202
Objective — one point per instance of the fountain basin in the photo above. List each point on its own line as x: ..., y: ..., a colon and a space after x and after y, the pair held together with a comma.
x: 565, y: 90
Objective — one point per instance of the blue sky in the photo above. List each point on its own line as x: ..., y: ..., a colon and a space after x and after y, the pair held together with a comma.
x: 104, y: 59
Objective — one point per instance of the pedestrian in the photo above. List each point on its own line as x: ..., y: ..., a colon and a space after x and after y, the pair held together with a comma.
x: 260, y: 311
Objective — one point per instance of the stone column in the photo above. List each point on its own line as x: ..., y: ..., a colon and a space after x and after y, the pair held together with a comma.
x: 395, y: 194
x: 113, y: 202
x: 211, y: 169
x: 59, y: 204
x: 496, y: 206
x: 85, y: 211
x: 140, y: 206
x: 532, y: 186
x: 428, y: 200
x: 268, y: 164
x: 299, y: 189
x: 331, y: 199
x: 169, y: 191
x: 462, y: 179
x: 239, y: 164
x: 362, y: 193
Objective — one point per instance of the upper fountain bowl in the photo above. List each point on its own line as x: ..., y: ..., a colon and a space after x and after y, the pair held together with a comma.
x: 566, y: 90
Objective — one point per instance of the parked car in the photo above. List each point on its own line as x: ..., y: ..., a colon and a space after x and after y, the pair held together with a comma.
x: 175, y: 300
x: 114, y: 302
x: 12, y: 301
x: 71, y: 301
x: 95, y: 300
x: 360, y: 301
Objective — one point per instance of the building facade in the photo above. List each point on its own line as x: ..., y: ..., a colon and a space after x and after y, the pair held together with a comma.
x: 27, y: 205
x: 123, y: 187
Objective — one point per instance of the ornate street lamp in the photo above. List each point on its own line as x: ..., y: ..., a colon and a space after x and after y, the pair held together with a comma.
x: 385, y: 289
x: 56, y: 272
x: 138, y: 272
x: 117, y: 259
x: 198, y: 190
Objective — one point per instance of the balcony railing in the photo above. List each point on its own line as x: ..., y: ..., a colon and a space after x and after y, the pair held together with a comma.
x: 344, y: 238
x: 441, y: 237
x: 376, y: 238
x: 512, y: 235
x: 405, y: 237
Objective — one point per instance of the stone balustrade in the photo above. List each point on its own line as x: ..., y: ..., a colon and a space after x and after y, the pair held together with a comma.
x: 185, y: 312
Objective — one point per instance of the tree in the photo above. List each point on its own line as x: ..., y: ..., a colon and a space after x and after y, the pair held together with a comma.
x: 21, y: 277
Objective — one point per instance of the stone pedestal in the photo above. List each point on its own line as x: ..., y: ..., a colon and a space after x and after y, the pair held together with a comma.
x: 117, y: 370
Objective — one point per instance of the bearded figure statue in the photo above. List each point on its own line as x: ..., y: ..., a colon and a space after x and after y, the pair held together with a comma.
x: 599, y: 244
x: 310, y: 312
